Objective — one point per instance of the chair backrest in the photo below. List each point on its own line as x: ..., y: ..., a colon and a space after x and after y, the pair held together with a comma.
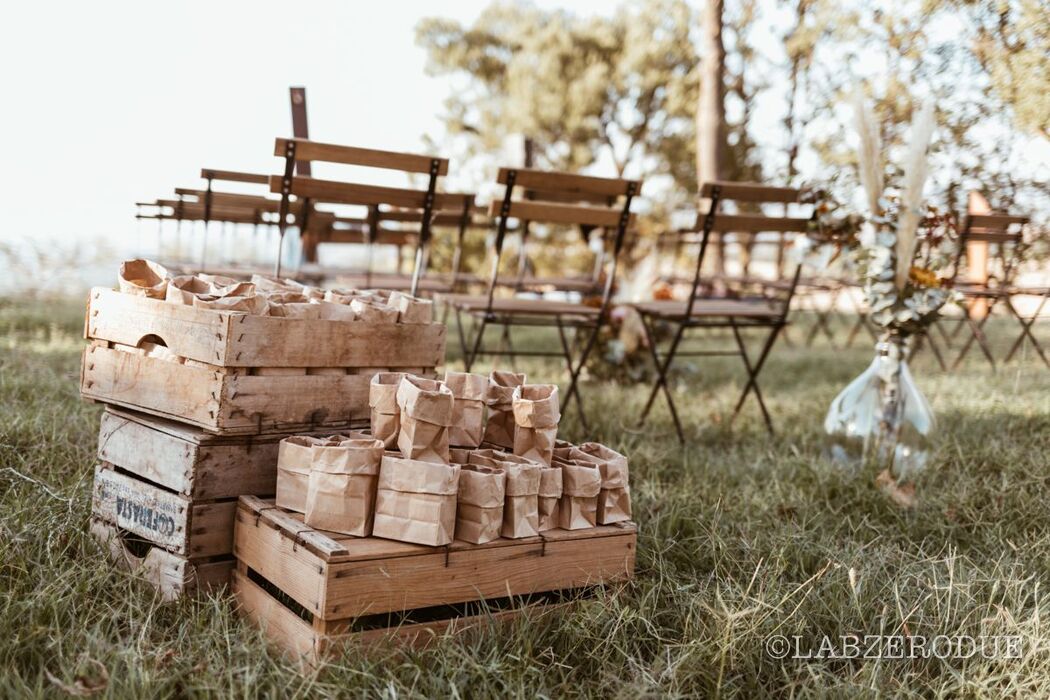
x: 713, y: 222
x: 547, y: 196
x: 1004, y: 231
x: 373, y: 196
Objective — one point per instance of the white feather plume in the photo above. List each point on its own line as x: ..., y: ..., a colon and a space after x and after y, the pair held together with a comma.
x: 916, y: 167
x: 870, y: 153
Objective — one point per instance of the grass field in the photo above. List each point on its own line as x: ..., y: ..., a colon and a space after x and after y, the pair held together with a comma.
x: 743, y: 536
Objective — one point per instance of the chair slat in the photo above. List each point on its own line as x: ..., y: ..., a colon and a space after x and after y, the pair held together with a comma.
x: 751, y: 192
x: 366, y: 195
x: 563, y: 183
x: 744, y: 223
x: 995, y: 221
x: 560, y: 213
x: 234, y: 176
x: 367, y: 157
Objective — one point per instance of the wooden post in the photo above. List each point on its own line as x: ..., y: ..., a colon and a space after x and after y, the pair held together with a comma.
x: 977, y: 255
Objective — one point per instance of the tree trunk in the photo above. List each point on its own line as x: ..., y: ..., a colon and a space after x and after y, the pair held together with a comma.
x: 710, y: 108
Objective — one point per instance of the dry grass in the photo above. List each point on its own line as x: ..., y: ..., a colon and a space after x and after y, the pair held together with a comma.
x: 742, y: 536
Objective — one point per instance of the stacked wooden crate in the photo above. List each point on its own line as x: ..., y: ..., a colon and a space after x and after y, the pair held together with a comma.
x: 197, y: 401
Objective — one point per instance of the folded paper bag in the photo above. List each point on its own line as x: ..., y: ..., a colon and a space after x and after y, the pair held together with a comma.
x: 250, y: 304
x: 383, y: 413
x: 143, y: 278
x: 372, y: 311
x: 342, y: 485
x: 581, y: 482
x: 183, y: 288
x: 521, y: 506
x: 411, y: 309
x: 426, y: 412
x: 468, y: 408
x: 294, y: 458
x: 416, y: 501
x: 499, y: 397
x: 479, y: 512
x: 549, y: 497
x: 536, y: 415
x: 614, y: 499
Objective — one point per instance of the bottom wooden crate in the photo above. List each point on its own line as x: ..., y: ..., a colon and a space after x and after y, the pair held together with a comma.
x: 172, y: 575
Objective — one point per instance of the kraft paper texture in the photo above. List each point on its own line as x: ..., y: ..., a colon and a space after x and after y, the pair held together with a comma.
x: 499, y: 397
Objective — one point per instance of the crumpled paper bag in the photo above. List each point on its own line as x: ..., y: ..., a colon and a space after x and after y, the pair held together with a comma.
x: 468, y: 408
x: 499, y: 397
x: 342, y: 485
x: 521, y: 516
x: 581, y: 482
x: 294, y: 457
x: 411, y: 309
x: 479, y: 514
x: 372, y: 311
x: 143, y: 278
x: 536, y: 414
x: 249, y: 304
x: 426, y: 412
x: 549, y: 498
x: 614, y: 499
x: 416, y: 501
x: 383, y: 412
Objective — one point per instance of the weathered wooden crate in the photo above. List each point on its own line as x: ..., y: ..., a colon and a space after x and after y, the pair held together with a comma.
x: 240, y: 374
x: 173, y: 575
x: 310, y: 590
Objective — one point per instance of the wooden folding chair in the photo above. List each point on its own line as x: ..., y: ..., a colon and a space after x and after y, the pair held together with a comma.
x: 1003, y: 231
x: 768, y: 311
x: 1027, y: 321
x: 559, y: 199
x: 312, y: 190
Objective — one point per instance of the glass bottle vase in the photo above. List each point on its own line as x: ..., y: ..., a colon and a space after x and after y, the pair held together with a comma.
x: 881, y: 419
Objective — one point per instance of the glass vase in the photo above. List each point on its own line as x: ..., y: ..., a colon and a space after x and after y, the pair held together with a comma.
x: 881, y: 420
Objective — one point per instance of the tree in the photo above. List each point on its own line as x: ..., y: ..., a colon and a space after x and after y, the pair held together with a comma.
x: 710, y: 107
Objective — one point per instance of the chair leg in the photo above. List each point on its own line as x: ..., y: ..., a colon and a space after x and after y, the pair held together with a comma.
x: 1026, y: 330
x: 574, y: 389
x: 479, y: 333
x: 977, y: 333
x: 661, y: 380
x: 752, y: 372
x: 462, y: 340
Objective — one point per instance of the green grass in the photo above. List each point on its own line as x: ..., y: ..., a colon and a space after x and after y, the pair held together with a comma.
x: 742, y: 536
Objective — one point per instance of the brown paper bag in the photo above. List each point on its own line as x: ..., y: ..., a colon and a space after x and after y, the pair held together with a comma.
x: 183, y: 288
x: 468, y: 407
x: 581, y: 482
x: 479, y: 513
x: 251, y: 304
x: 293, y: 471
x: 411, y: 309
x: 536, y: 415
x: 614, y: 499
x: 336, y: 312
x: 342, y: 485
x: 143, y: 278
x: 458, y: 455
x: 384, y: 415
x: 373, y: 312
x: 521, y: 517
x: 295, y: 310
x: 499, y: 397
x: 269, y: 283
x: 416, y: 501
x: 549, y: 497
x: 426, y: 412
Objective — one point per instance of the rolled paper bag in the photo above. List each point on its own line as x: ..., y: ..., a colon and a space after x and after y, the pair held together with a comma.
x: 342, y: 485
x: 426, y: 412
x: 411, y: 309
x: 373, y: 312
x: 285, y: 297
x: 253, y: 304
x: 499, y: 397
x: 184, y: 288
x: 340, y: 296
x: 458, y: 455
x: 416, y: 501
x: 294, y: 458
x: 536, y: 415
x: 549, y: 497
x: 269, y: 283
x: 218, y: 281
x: 335, y: 312
x: 521, y: 516
x: 143, y: 278
x: 383, y: 412
x: 614, y: 499
x: 468, y: 408
x: 581, y: 482
x: 479, y: 512
x: 295, y: 310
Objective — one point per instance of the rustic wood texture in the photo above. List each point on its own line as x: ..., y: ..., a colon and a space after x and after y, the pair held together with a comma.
x: 337, y: 577
x: 172, y: 575
x: 167, y: 519
x: 246, y: 340
x: 234, y: 176
x: 367, y: 157
x: 561, y: 213
x: 564, y: 183
x: 750, y: 192
x: 335, y: 192
x: 743, y: 223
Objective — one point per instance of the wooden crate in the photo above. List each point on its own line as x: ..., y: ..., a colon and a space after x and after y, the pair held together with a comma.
x: 310, y: 589
x: 173, y: 575
x: 241, y: 374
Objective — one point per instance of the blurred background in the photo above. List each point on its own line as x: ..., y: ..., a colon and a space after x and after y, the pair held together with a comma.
x: 112, y: 103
